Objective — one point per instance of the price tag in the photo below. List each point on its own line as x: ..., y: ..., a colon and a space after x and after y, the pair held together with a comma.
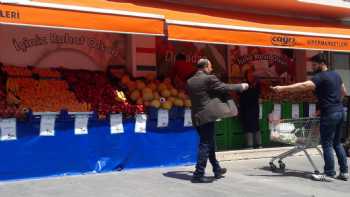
x: 47, y: 125
x: 188, y: 118
x: 116, y: 122
x: 295, y: 111
x: 163, y: 118
x: 81, y: 124
x: 260, y: 111
x: 312, y: 110
x: 277, y: 110
x: 140, y: 124
x: 8, y: 129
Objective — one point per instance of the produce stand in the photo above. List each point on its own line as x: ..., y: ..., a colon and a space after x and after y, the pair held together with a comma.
x: 70, y: 114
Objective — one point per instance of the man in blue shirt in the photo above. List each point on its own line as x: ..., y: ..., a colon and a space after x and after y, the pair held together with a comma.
x: 329, y: 90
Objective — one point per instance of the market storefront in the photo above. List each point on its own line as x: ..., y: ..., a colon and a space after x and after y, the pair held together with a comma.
x: 63, y: 61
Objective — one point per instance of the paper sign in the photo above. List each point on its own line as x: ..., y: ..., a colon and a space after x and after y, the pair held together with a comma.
x: 295, y: 111
x: 8, y: 129
x: 81, y: 124
x: 163, y: 118
x: 277, y: 110
x: 260, y: 111
x: 47, y: 125
x: 312, y: 110
x: 188, y: 118
x: 140, y: 124
x: 116, y: 122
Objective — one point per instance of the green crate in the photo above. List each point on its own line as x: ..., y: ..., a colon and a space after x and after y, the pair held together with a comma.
x: 236, y: 126
x: 264, y: 124
x: 286, y: 110
x: 267, y: 108
x: 237, y: 141
x: 221, y: 141
x: 265, y: 137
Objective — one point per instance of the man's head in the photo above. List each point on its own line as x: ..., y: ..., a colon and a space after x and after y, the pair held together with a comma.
x: 204, y: 65
x: 319, y: 63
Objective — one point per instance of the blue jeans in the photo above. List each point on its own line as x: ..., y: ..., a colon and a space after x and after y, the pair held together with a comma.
x: 331, y: 130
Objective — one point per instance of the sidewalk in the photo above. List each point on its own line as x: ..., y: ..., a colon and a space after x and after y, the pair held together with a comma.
x: 251, y: 178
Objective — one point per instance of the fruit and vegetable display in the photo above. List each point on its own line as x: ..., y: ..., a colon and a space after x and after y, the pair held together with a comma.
x: 51, y: 90
x: 151, y: 92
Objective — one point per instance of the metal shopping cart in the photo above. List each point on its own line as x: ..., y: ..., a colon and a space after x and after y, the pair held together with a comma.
x: 303, y: 133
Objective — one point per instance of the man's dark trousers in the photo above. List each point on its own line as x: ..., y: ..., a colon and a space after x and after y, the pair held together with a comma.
x: 206, y: 149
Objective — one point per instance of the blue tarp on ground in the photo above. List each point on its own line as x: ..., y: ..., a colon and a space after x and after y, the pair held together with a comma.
x: 65, y: 153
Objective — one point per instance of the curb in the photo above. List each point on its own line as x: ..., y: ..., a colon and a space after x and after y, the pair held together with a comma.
x: 258, y: 153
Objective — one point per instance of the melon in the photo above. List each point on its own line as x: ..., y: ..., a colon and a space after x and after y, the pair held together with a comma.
x: 147, y: 96
x: 174, y: 92
x: 188, y: 103
x: 167, y: 105
x: 165, y: 93
x: 179, y: 103
x: 155, y: 103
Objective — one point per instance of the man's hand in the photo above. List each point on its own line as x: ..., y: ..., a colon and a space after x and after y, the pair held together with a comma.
x: 277, y: 89
x: 245, y: 86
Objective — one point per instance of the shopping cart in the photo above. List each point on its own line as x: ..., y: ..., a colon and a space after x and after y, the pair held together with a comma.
x: 303, y: 133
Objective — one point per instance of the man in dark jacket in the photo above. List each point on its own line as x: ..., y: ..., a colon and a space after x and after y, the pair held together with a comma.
x: 205, y: 91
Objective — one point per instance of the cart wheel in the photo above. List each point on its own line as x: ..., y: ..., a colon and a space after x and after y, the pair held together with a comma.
x: 282, y: 165
x: 273, y: 167
x: 317, y: 172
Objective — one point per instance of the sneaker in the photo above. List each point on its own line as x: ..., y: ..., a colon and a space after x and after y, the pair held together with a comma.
x: 219, y: 174
x: 322, y: 177
x: 343, y: 176
x: 201, y: 179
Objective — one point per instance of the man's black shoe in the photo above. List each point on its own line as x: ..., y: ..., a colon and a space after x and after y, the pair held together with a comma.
x: 201, y: 179
x: 219, y: 174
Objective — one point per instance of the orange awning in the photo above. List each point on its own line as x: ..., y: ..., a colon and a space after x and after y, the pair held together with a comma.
x: 190, y: 23
x: 44, y: 14
x: 209, y: 25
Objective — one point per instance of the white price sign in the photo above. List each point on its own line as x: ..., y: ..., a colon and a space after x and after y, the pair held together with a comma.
x: 163, y: 118
x: 312, y: 110
x: 277, y: 111
x: 295, y: 111
x: 81, y: 124
x: 260, y: 111
x: 116, y: 122
x: 140, y: 125
x: 47, y: 125
x: 8, y: 129
x: 188, y: 118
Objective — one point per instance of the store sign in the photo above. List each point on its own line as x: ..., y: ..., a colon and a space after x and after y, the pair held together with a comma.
x: 9, y: 14
x: 260, y: 57
x: 281, y: 40
x: 25, y: 43
x: 327, y: 43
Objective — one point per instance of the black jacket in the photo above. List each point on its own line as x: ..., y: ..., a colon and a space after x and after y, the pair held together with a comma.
x: 208, y: 94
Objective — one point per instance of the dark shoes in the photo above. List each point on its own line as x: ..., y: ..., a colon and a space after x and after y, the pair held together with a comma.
x: 219, y: 174
x: 343, y: 176
x: 201, y: 179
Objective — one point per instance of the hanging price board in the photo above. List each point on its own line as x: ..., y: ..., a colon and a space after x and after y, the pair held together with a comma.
x: 116, y: 123
x: 163, y: 118
x: 81, y: 124
x: 188, y: 118
x: 140, y: 124
x: 8, y: 129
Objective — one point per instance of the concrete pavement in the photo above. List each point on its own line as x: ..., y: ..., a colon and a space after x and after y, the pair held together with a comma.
x: 249, y: 178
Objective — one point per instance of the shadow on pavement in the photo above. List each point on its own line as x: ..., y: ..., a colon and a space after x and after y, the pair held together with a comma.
x: 285, y: 173
x: 183, y: 175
